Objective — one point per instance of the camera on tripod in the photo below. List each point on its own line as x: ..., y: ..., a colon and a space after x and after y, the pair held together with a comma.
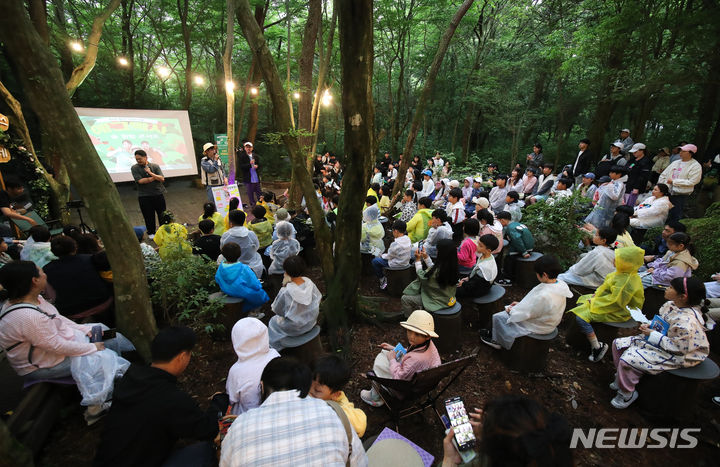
x: 75, y: 204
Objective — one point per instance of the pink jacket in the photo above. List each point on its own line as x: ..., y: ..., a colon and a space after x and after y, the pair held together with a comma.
x: 51, y: 337
x: 466, y: 252
x: 414, y: 362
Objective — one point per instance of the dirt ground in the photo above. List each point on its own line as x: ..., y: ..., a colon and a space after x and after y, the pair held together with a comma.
x: 569, y: 377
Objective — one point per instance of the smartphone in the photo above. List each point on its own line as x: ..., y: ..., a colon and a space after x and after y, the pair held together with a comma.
x: 460, y: 422
x: 96, y: 333
x: 109, y: 334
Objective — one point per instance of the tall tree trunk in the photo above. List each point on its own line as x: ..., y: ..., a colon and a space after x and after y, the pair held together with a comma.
x: 255, y: 81
x: 266, y: 64
x: 230, y: 89
x: 38, y: 16
x: 183, y: 9
x: 128, y: 49
x: 708, y: 106
x: 305, y: 65
x: 427, y: 90
x: 44, y: 87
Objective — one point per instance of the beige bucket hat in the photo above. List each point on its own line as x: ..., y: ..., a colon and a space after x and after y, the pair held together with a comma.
x: 421, y: 322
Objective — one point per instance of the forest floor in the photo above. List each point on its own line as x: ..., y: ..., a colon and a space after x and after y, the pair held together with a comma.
x: 569, y: 377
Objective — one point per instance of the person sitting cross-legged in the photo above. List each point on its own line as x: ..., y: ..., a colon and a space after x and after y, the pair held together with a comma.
x: 539, y: 312
x: 150, y: 413
x: 289, y: 428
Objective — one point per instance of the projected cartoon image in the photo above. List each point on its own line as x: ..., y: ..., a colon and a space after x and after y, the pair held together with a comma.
x: 117, y: 136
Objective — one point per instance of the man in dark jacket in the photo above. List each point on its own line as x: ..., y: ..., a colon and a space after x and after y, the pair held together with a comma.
x: 638, y: 173
x: 150, y: 412
x: 249, y: 163
x: 582, y: 163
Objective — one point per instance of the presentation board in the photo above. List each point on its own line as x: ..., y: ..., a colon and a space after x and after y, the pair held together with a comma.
x: 223, y: 195
x: 164, y: 135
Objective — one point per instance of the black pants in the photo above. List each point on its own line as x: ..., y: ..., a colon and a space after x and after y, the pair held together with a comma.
x: 509, y: 266
x: 150, y: 206
x: 474, y: 287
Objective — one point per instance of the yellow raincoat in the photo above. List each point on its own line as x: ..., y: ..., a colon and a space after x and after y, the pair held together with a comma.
x: 621, y: 289
x: 171, y: 238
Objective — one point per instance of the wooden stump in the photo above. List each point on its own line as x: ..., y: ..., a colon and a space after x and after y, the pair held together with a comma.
x: 398, y: 279
x: 448, y: 325
x: 528, y: 354
x: 486, y: 306
x: 308, y: 347
x: 525, y: 270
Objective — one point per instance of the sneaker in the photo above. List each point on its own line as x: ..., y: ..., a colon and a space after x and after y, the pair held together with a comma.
x: 614, y: 386
x: 151, y: 236
x: 367, y: 396
x: 716, y: 400
x: 597, y: 354
x: 486, y: 338
x: 383, y: 283
x: 504, y: 282
x: 256, y: 314
x: 620, y: 401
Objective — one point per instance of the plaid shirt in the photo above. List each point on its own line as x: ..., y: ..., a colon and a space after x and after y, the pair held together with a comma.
x: 289, y: 431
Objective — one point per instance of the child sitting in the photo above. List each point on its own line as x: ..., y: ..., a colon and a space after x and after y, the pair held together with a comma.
x: 677, y: 262
x: 248, y: 241
x: 171, y: 237
x: 281, y: 215
x: 456, y: 212
x: 267, y: 200
x: 262, y: 227
x: 490, y: 226
x: 383, y: 199
x: 233, y: 204
x: 434, y: 288
x: 296, y: 306
x: 539, y: 312
x: 209, y: 243
x: 421, y: 354
x: 151, y: 259
x: 513, y: 205
x: 397, y: 256
x: 238, y: 280
x: 621, y: 289
x: 408, y: 207
x: 371, y: 236
x: 607, y: 197
x: 418, y: 225
x: 439, y: 229
x: 521, y: 243
x: 210, y: 212
x: 619, y: 223
x: 282, y: 248
x: 481, y: 278
x: 684, y: 344
x: 330, y: 375
x: 252, y: 346
x: 595, y: 265
x: 37, y: 247
x: 466, y: 252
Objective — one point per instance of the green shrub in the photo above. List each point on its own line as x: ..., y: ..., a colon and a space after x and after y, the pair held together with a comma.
x: 180, y: 289
x: 554, y: 226
x: 704, y: 235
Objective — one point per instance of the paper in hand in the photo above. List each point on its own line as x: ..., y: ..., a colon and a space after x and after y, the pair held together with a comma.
x: 638, y: 315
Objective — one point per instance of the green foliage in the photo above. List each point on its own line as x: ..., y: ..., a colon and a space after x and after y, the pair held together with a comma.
x: 704, y: 235
x: 180, y: 288
x: 554, y: 226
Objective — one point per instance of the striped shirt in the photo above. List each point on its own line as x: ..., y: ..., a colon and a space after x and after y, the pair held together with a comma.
x: 287, y: 430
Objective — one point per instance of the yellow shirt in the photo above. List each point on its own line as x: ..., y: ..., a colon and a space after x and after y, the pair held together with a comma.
x: 217, y: 218
x: 357, y: 417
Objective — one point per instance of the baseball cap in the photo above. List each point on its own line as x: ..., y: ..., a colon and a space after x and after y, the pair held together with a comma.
x: 604, y: 179
x: 590, y: 175
x: 638, y: 146
x: 248, y: 144
x: 689, y: 147
x: 427, y: 172
x: 454, y: 184
x: 617, y: 144
x: 625, y: 130
x: 207, y: 146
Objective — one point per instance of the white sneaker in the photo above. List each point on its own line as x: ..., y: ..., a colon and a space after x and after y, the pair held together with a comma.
x: 383, y: 283
x: 620, y: 401
x: 151, y: 236
x: 597, y: 354
x: 368, y: 397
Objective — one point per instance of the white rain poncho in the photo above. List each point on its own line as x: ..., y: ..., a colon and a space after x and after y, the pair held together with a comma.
x: 296, y: 309
x: 283, y: 248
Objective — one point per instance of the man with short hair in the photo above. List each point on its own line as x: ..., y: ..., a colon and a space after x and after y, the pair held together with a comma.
x: 249, y: 163
x: 608, y: 160
x: 638, y: 173
x: 290, y: 428
x: 14, y: 190
x: 151, y: 191
x: 625, y: 139
x: 212, y: 172
x: 150, y: 412
x: 582, y: 163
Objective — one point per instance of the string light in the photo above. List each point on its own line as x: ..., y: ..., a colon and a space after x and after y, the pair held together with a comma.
x: 199, y: 80
x: 77, y: 46
x: 123, y: 61
x: 296, y: 95
x: 253, y: 91
x: 229, y: 86
x: 163, y: 71
x: 327, y: 98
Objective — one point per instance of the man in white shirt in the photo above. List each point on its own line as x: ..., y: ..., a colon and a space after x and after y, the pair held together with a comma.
x: 290, y: 428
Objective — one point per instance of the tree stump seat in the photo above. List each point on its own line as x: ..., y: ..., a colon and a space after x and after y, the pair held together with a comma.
x: 525, y: 270
x: 448, y: 325
x: 399, y: 278
x: 528, y: 354
x: 486, y: 306
x: 306, y: 347
x: 605, y: 332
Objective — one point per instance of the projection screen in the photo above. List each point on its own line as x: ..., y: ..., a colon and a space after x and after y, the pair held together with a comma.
x: 164, y: 134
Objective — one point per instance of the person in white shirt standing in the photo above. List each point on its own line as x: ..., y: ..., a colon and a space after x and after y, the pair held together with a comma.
x: 681, y: 176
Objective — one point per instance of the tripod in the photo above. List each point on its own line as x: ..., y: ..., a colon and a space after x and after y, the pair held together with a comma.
x: 78, y: 205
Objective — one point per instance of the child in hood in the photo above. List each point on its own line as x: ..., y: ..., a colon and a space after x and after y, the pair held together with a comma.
x: 246, y: 239
x: 296, y: 306
x: 283, y: 248
x: 371, y: 236
x: 252, y: 346
x: 620, y: 290
x: 238, y: 280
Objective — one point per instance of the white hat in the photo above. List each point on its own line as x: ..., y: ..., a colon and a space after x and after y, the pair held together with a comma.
x: 618, y: 144
x: 624, y: 130
x: 481, y: 201
x: 207, y: 146
x: 248, y: 144
x: 454, y: 184
x: 422, y: 322
x: 637, y: 147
